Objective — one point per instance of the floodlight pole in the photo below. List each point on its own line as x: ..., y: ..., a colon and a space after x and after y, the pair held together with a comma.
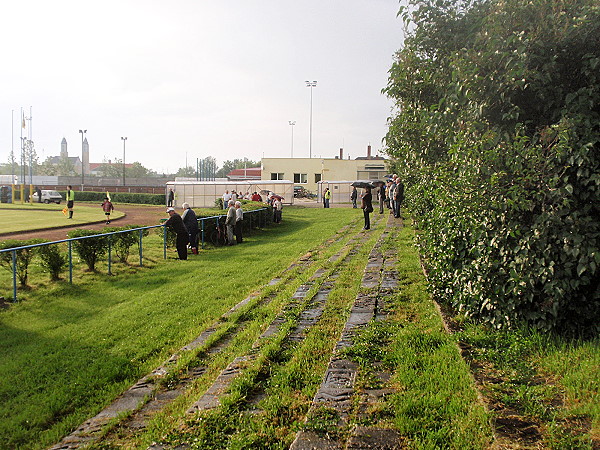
x: 124, y: 139
x: 311, y: 85
x: 292, y: 123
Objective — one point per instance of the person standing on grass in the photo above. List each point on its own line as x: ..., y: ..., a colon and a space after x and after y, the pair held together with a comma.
x: 191, y: 224
x: 387, y: 195
x: 107, y: 207
x: 381, y: 195
x: 239, y: 221
x: 393, y: 196
x: 326, y: 198
x: 354, y: 196
x: 170, y: 198
x: 230, y: 222
x: 70, y: 200
x: 226, y: 198
x: 176, y: 223
x: 38, y: 191
x: 367, y: 207
x: 277, y: 207
x: 398, y: 197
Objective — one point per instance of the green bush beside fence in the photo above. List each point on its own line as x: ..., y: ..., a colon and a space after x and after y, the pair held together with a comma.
x: 24, y: 257
x: 53, y: 260
x: 91, y: 247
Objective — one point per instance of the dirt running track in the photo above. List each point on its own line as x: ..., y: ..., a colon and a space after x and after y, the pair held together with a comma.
x: 134, y: 215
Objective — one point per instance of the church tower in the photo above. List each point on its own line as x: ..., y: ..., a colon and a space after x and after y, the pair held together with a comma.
x: 86, y: 157
x: 63, y: 149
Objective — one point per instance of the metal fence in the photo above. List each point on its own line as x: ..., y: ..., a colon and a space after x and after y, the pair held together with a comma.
x: 202, y: 228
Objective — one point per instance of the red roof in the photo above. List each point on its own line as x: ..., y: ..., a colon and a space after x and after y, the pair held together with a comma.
x: 249, y: 172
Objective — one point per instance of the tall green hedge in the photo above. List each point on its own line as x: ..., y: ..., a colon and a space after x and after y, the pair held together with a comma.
x: 497, y: 137
x: 119, y: 197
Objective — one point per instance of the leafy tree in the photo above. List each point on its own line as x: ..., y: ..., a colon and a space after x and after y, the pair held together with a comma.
x: 497, y: 136
x: 112, y: 169
x: 48, y: 168
x: 228, y: 166
x: 8, y: 168
x: 136, y: 170
x: 65, y: 167
x: 186, y: 172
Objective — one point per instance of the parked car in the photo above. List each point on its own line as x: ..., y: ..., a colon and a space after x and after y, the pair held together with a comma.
x: 299, y: 191
x: 48, y: 196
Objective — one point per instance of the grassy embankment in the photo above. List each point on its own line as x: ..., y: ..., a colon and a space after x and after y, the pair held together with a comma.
x: 434, y: 405
x: 71, y: 349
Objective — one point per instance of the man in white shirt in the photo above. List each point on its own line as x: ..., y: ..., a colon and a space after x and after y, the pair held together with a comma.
x: 226, y: 198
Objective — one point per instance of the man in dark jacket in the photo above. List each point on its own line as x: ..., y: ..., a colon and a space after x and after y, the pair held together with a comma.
x: 176, y: 223
x: 381, y: 195
x: 191, y: 224
x: 354, y: 196
x: 398, y: 197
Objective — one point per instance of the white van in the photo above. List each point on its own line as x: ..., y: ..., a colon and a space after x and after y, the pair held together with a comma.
x: 48, y: 196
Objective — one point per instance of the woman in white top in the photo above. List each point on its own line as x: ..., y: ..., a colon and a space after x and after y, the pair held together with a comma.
x: 239, y: 220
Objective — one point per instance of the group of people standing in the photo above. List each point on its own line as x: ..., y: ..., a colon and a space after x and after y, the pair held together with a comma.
x: 390, y: 194
x: 235, y: 196
x: 186, y: 229
x: 234, y: 222
x: 394, y: 193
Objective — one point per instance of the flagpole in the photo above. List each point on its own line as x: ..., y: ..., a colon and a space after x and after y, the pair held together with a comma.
x: 12, y: 145
x: 22, y: 148
x: 30, y: 145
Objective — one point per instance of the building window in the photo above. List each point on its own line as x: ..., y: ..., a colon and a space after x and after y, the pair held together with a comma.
x: 317, y: 177
x: 370, y: 175
x: 300, y: 178
x: 276, y: 176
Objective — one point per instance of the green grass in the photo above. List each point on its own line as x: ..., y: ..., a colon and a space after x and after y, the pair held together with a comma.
x: 68, y: 350
x: 548, y: 380
x: 288, y: 373
x: 435, y: 404
x: 39, y: 216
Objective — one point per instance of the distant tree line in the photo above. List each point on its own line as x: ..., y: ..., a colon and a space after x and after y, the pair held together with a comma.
x: 207, y: 168
x: 496, y: 133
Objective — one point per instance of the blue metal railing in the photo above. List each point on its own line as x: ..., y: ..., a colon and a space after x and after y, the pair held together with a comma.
x: 140, y: 230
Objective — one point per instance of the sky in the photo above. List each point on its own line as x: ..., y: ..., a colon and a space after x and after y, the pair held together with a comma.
x: 187, y: 79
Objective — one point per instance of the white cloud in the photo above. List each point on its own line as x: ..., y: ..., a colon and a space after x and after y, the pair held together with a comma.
x: 197, y: 77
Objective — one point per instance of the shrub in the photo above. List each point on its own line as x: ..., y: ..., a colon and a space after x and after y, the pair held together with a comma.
x: 91, y: 249
x: 122, y: 242
x: 53, y: 260
x: 496, y: 137
x: 24, y: 257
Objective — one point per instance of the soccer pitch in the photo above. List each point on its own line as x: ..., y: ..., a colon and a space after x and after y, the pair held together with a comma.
x: 28, y: 217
